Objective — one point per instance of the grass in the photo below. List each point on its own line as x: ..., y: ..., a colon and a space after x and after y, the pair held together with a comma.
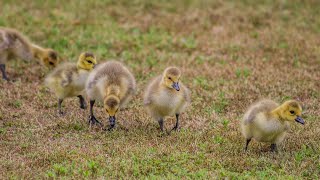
x: 231, y: 53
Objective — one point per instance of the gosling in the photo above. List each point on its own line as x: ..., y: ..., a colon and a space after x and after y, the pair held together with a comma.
x: 15, y: 45
x: 112, y: 84
x: 69, y: 79
x: 266, y: 121
x: 167, y: 96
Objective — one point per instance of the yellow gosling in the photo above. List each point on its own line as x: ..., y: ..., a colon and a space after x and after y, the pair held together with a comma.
x: 167, y: 96
x: 112, y: 84
x: 267, y: 121
x: 69, y: 79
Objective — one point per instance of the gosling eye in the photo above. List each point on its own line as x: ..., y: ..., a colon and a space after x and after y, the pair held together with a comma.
x: 90, y: 62
x: 51, y: 63
x: 292, y: 112
x: 169, y: 78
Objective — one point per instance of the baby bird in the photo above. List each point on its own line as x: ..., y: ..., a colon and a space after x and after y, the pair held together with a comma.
x: 14, y: 45
x: 167, y: 96
x: 112, y: 84
x: 266, y: 121
x: 69, y: 79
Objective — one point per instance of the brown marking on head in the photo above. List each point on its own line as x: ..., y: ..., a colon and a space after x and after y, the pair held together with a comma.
x: 171, y: 78
x: 53, y: 55
x: 111, y: 102
x: 86, y: 61
x: 89, y: 54
x: 49, y: 57
x: 173, y: 71
x: 294, y: 104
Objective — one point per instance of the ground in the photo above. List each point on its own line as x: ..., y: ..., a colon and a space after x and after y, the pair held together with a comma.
x: 231, y: 54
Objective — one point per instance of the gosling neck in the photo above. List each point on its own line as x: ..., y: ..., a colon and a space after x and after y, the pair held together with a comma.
x: 37, y: 51
x: 276, y: 113
x: 80, y: 67
x: 162, y: 82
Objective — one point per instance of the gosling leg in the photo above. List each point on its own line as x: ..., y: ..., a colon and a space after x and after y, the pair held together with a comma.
x: 3, y: 71
x: 176, y: 127
x: 161, y: 124
x: 273, y: 147
x: 247, y: 143
x: 59, y: 106
x: 92, y: 119
x: 83, y: 104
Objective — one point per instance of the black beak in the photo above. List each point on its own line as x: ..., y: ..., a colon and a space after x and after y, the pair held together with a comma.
x: 299, y: 120
x: 112, y: 120
x: 94, y: 66
x: 175, y: 85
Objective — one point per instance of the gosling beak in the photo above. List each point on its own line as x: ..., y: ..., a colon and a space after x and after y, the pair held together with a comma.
x: 112, y: 120
x: 93, y: 66
x: 299, y: 120
x: 175, y: 85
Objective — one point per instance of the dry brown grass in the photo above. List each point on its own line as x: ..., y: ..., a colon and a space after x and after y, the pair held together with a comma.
x: 231, y: 54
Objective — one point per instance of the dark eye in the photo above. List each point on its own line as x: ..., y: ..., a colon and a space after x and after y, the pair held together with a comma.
x: 292, y: 112
x: 90, y: 62
x: 169, y: 78
x: 51, y: 63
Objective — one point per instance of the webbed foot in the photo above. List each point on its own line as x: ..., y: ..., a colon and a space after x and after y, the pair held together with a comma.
x: 93, y: 120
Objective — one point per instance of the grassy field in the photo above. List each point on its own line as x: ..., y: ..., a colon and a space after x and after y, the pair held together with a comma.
x: 231, y: 53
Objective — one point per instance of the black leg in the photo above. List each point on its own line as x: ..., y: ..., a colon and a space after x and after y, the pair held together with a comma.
x: 247, y: 143
x: 161, y: 124
x: 176, y: 127
x: 3, y: 71
x: 59, y: 106
x: 91, y: 107
x: 83, y: 104
x: 92, y: 119
x: 273, y: 148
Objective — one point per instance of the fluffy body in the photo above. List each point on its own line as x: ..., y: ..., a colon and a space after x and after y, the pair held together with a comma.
x: 260, y: 124
x: 67, y: 80
x: 162, y: 101
x: 13, y: 44
x: 111, y: 78
x: 267, y: 121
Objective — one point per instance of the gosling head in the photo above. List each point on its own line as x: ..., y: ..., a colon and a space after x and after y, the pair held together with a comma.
x: 171, y: 78
x: 291, y: 111
x: 49, y: 58
x: 86, y: 61
x: 111, y: 105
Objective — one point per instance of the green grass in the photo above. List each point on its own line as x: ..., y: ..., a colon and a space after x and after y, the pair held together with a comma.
x: 231, y: 54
